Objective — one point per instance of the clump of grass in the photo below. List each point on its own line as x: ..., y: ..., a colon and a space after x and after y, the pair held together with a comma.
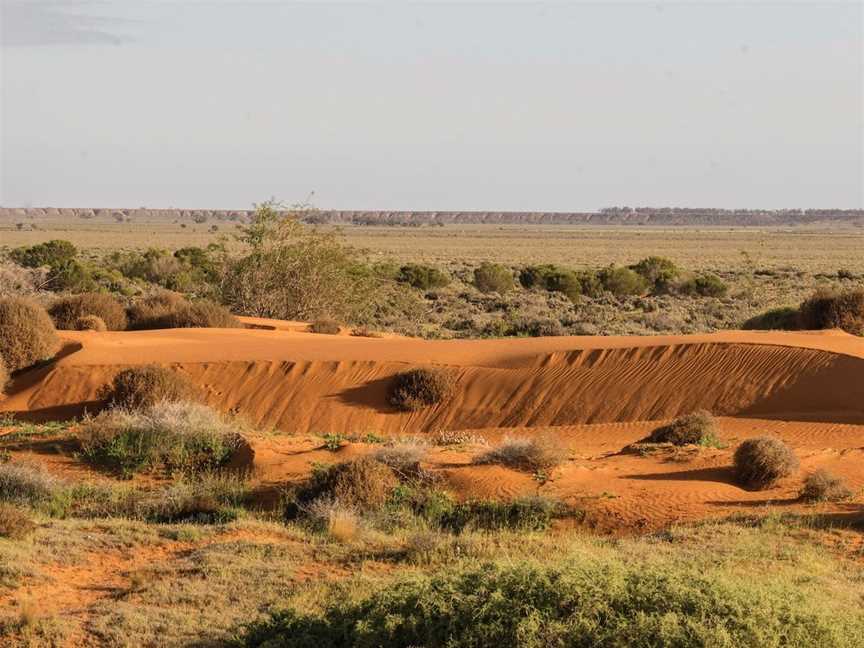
x: 145, y: 386
x: 822, y: 486
x: 168, y: 436
x: 90, y: 323
x: 530, y: 514
x: 404, y: 457
x: 27, y: 484
x: 68, y: 310
x: 529, y: 454
x: 420, y: 388
x: 456, y: 438
x: 325, y: 325
x: 15, y: 524
x: 27, y: 334
x: 761, y: 461
x: 341, y: 522
x: 698, y: 428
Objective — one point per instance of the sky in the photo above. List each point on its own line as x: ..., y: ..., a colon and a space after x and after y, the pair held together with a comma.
x: 432, y: 106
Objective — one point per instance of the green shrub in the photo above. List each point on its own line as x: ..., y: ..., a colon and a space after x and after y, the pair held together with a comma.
x: 827, y: 309
x: 146, y: 386
x: 565, y: 282
x: 822, y: 486
x: 592, y: 286
x: 51, y: 253
x: 585, y: 602
x: 422, y: 276
x: 66, y: 311
x: 326, y: 326
x: 492, y: 277
x: 532, y: 454
x: 706, y: 285
x: 27, y: 334
x: 659, y: 272
x: 419, y: 388
x: 168, y: 436
x: 761, y: 461
x: 622, y: 281
x: 697, y: 428
x: 785, y: 318
x: 535, y: 276
x: 531, y: 514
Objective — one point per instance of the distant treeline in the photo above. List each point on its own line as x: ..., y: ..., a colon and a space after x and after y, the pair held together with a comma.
x: 660, y: 216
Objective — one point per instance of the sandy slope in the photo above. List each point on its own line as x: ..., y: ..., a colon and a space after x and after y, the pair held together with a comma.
x: 302, y: 382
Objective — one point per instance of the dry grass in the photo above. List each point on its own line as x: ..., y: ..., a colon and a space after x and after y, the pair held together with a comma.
x: 4, y: 376
x: 27, y: 334
x: 404, y: 457
x: 761, y: 461
x: 90, y: 323
x: 325, y: 325
x: 530, y: 454
x: 15, y: 524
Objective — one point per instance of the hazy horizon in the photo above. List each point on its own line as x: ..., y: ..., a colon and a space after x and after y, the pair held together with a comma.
x: 432, y: 107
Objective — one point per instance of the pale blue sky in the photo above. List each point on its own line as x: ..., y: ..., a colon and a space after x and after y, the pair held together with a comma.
x: 499, y: 106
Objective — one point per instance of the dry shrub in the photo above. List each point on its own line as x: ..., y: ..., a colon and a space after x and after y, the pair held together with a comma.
x: 15, y: 524
x: 419, y: 388
x: 404, y: 457
x: 4, y: 376
x: 822, y: 486
x: 25, y: 483
x: 341, y: 522
x: 364, y: 484
x: 200, y: 314
x: 365, y: 331
x: 27, y: 334
x: 697, y: 428
x: 456, y: 437
x: 325, y: 325
x: 827, y: 309
x: 139, y: 387
x: 537, y: 453
x: 146, y: 312
x: 66, y: 311
x: 760, y: 462
x: 90, y: 323
x: 16, y: 281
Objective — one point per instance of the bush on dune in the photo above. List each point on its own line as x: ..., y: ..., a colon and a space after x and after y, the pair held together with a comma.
x: 827, y: 309
x: 785, y: 318
x: 27, y: 334
x: 325, y: 326
x: 583, y: 603
x: 822, y: 486
x: 761, y: 461
x: 419, y: 388
x: 148, y: 385
x: 67, y: 311
x: 4, y: 376
x: 146, y: 312
x: 532, y: 454
x: 167, y: 436
x: 698, y: 428
x: 90, y: 323
x: 166, y: 310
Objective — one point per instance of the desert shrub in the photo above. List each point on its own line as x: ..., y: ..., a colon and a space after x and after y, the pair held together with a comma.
x: 822, y: 486
x: 785, y: 318
x: 539, y: 327
x: 536, y: 453
x: 698, y: 428
x: 423, y: 277
x: 90, y: 323
x: 761, y: 461
x: 148, y: 385
x: 27, y: 484
x: 492, y: 277
x: 622, y: 281
x: 827, y: 309
x: 198, y: 314
x: 530, y: 514
x: 705, y: 285
x: 168, y: 436
x: 419, y: 388
x: 592, y: 286
x: 27, y: 334
x: 50, y: 253
x: 325, y: 325
x: 365, y: 331
x: 535, y: 276
x: 565, y: 282
x: 66, y: 311
x: 584, y: 602
x: 287, y: 270
x: 404, y: 457
x: 659, y: 272
x: 364, y: 484
x: 15, y: 524
x: 4, y: 376
x: 148, y: 312
x: 18, y: 281
x: 341, y: 522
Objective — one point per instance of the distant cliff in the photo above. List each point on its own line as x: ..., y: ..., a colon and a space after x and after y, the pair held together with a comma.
x: 664, y: 216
